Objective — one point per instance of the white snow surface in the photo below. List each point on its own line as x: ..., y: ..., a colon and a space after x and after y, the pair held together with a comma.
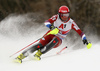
x: 12, y: 40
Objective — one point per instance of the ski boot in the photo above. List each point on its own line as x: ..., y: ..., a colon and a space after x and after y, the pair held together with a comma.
x: 37, y: 55
x: 19, y: 58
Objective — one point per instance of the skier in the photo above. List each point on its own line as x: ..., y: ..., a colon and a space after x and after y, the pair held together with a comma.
x: 59, y: 25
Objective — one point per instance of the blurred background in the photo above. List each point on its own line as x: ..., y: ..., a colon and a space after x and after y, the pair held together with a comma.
x: 22, y: 22
x: 86, y: 13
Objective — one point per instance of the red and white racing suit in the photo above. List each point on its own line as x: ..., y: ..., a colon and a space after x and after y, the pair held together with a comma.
x: 64, y: 28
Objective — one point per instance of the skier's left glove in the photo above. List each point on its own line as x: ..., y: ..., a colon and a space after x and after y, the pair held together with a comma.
x: 89, y: 45
x: 54, y: 31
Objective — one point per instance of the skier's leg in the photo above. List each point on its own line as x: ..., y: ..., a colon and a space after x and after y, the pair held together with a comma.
x: 32, y: 49
x: 55, y: 42
x: 25, y: 53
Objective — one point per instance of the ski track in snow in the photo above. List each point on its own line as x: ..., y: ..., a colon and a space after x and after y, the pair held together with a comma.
x: 69, y: 60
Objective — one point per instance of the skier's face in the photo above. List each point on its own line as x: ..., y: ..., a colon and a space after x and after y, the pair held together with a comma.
x: 64, y: 17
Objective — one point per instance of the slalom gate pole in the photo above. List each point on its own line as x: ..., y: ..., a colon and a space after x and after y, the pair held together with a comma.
x: 25, y: 47
x: 62, y: 50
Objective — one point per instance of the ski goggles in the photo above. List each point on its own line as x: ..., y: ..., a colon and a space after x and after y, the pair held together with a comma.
x: 66, y: 15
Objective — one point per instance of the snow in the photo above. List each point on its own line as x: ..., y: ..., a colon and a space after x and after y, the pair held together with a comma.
x: 69, y: 60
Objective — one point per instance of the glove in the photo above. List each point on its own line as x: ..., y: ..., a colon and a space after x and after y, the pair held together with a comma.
x: 54, y: 31
x: 85, y: 41
x: 52, y: 27
x: 89, y: 45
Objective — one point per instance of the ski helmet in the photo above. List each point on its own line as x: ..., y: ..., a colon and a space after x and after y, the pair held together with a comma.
x: 64, y: 13
x: 64, y: 9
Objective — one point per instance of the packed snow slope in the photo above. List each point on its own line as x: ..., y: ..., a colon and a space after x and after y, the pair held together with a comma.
x: 16, y: 32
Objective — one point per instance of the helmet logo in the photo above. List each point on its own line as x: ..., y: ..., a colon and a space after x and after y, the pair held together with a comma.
x: 64, y: 11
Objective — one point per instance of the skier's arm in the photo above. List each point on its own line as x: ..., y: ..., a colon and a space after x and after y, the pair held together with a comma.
x: 50, y: 21
x: 77, y: 29
x: 49, y: 24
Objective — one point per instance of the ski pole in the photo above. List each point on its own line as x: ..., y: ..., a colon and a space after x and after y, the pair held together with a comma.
x: 61, y: 50
x: 26, y: 47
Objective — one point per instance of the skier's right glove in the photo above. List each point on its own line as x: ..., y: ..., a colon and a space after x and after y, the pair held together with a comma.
x: 52, y: 27
x: 89, y: 45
